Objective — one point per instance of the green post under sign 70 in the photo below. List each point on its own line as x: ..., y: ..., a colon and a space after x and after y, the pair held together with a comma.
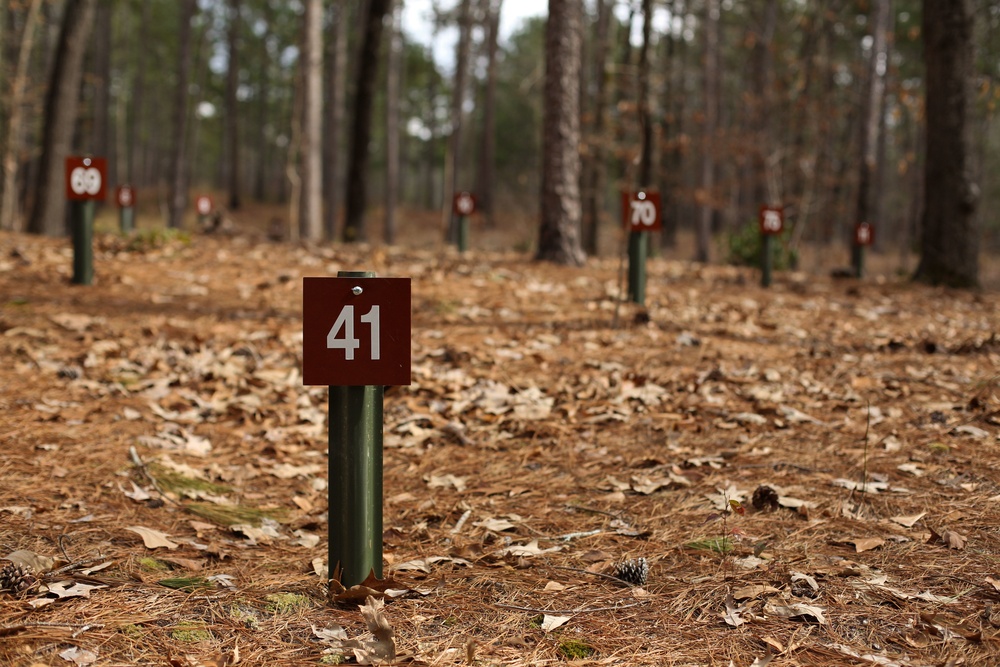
x: 356, y: 331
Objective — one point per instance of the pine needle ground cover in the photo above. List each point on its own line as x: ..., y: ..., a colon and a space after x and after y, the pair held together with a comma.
x: 805, y: 475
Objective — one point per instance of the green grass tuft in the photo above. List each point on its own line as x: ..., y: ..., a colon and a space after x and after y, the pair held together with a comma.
x: 575, y: 650
x: 286, y: 603
x: 720, y: 545
x: 228, y: 515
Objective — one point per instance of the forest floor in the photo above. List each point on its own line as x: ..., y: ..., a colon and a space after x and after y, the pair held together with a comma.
x: 810, y: 471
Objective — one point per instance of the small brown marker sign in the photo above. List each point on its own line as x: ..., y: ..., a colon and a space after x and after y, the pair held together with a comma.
x: 125, y: 196
x: 864, y: 234
x: 85, y: 178
x: 464, y: 203
x: 355, y: 331
x: 641, y: 211
x: 772, y: 220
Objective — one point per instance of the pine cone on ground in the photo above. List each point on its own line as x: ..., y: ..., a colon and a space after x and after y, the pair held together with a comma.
x: 633, y: 572
x: 16, y: 578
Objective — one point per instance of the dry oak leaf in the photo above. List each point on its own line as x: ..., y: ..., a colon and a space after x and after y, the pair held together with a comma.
x: 954, y: 540
x: 153, y: 539
x: 550, y: 622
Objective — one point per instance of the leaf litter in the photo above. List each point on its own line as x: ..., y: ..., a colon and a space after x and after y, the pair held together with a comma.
x: 531, y: 418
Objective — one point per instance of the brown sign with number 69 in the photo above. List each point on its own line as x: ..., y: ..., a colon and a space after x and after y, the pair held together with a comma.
x: 355, y: 331
x: 772, y: 220
x: 641, y: 210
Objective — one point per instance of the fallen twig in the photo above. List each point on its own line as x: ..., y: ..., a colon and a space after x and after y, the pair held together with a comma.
x: 584, y: 610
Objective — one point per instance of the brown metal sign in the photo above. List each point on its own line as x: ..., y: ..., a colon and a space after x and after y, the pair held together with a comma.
x: 641, y: 211
x: 464, y: 203
x: 772, y: 220
x: 864, y: 234
x: 355, y: 331
x: 85, y: 178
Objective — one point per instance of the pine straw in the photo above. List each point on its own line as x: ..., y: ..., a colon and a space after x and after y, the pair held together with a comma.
x: 67, y: 467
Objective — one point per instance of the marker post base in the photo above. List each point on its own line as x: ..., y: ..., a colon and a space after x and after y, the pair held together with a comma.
x: 463, y: 233
x: 126, y: 219
x: 766, y: 259
x: 355, y: 483
x: 858, y: 260
x: 82, y: 224
x: 638, y: 248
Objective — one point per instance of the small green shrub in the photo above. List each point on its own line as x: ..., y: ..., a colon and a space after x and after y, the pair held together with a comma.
x: 744, y: 247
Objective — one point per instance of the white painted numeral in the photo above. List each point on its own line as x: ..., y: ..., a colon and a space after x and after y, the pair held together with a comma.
x: 643, y: 212
x: 772, y: 222
x: 341, y: 334
x: 371, y: 319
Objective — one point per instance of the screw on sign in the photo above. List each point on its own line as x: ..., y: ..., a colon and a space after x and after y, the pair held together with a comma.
x: 864, y: 234
x: 641, y: 211
x: 85, y: 178
x: 772, y: 220
x: 465, y: 203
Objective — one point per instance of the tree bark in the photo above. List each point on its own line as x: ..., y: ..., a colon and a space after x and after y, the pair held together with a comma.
x: 949, y: 247
x: 871, y: 116
x: 594, y: 167
x: 10, y: 208
x: 100, y: 139
x: 645, y: 176
x: 457, y: 113
x: 179, y: 167
x: 559, y: 231
x: 703, y: 235
x: 361, y: 123
x: 49, y: 211
x: 310, y: 221
x: 336, y: 96
x: 233, y: 158
x: 136, y: 173
x: 393, y: 71
x: 486, y: 174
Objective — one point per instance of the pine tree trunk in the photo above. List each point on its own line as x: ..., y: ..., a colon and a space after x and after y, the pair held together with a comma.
x: 457, y: 113
x: 136, y: 173
x: 100, y: 139
x: 10, y: 209
x: 392, y: 121
x: 703, y: 232
x: 179, y: 167
x: 361, y: 122
x: 311, y: 222
x: 949, y: 247
x: 645, y: 176
x: 486, y: 174
x: 336, y: 96
x: 49, y: 212
x: 233, y: 158
x: 559, y: 231
x: 871, y: 115
x: 594, y: 166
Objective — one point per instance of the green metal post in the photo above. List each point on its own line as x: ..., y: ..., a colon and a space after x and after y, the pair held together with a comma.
x: 638, y: 248
x: 858, y: 260
x: 766, y: 259
x: 355, y: 478
x: 463, y: 233
x: 82, y: 224
x: 126, y: 218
